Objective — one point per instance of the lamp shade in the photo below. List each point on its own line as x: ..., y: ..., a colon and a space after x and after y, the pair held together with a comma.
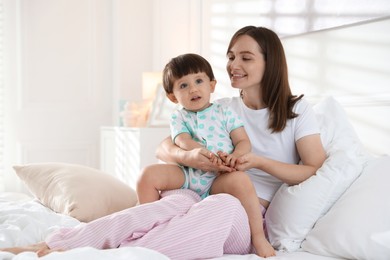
x: 150, y: 81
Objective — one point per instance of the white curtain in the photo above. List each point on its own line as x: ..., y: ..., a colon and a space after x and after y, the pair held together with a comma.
x: 1, y: 100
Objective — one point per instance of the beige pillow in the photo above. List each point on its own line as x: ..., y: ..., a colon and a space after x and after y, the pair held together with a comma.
x: 79, y: 191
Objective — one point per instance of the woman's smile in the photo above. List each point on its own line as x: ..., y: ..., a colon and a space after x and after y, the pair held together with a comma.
x: 235, y: 77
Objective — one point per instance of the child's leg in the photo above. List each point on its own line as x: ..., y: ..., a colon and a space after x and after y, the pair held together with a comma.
x: 156, y: 178
x: 240, y: 186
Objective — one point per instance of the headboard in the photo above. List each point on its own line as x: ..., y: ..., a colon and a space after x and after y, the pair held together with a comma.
x: 352, y: 64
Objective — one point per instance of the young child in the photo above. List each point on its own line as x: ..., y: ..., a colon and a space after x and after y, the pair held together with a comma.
x: 216, y: 129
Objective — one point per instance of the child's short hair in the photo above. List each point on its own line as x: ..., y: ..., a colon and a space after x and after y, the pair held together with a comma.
x: 182, y: 65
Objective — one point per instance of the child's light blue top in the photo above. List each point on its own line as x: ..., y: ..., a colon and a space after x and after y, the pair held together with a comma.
x: 210, y: 127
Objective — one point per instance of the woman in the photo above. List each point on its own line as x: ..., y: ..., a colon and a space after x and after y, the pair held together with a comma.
x: 282, y: 127
x: 282, y: 130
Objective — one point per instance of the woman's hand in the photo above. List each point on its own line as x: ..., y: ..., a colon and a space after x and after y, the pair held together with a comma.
x: 247, y: 161
x: 201, y: 158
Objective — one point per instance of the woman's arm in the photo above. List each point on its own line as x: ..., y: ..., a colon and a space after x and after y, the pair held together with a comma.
x: 185, y: 142
x: 198, y: 158
x: 312, y: 155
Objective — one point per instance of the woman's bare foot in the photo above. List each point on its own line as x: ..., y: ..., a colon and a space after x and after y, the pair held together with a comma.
x: 263, y: 247
x: 45, y: 251
x: 31, y: 248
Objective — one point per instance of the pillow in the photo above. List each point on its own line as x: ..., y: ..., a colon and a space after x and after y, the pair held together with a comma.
x: 295, y: 209
x: 358, y: 225
x: 383, y: 239
x: 79, y: 191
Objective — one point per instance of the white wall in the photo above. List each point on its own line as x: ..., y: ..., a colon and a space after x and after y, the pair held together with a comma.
x: 57, y: 81
x: 132, y: 45
x: 67, y: 63
x: 176, y: 30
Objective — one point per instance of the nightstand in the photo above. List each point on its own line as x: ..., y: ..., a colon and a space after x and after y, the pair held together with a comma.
x: 124, y: 151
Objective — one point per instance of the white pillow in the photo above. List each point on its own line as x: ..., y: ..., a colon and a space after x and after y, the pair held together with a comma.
x: 383, y: 239
x: 358, y: 225
x: 295, y: 209
x: 82, y: 192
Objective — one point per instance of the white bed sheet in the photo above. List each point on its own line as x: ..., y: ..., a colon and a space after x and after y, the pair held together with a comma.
x: 23, y: 220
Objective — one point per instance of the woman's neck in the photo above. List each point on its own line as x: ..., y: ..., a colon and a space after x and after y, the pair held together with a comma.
x: 253, y: 100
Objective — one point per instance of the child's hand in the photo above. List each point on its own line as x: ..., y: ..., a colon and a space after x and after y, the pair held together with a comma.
x: 218, y: 164
x: 214, y: 159
x: 222, y: 155
x: 229, y: 159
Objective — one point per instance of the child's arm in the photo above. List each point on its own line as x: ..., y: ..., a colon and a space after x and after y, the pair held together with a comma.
x: 242, y: 146
x: 241, y: 142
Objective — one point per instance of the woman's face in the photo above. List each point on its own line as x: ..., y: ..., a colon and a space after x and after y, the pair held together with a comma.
x: 245, y: 64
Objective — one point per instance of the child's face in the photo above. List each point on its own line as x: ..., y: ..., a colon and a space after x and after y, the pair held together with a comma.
x: 193, y: 91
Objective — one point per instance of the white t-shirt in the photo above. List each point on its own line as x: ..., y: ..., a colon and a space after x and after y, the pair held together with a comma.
x: 277, y: 146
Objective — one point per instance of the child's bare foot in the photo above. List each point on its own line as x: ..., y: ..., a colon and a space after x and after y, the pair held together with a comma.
x: 30, y: 248
x: 263, y: 247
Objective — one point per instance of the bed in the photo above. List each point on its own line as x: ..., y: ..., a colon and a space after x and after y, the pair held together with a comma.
x: 342, y: 212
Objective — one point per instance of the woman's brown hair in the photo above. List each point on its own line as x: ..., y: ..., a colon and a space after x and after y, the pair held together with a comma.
x: 275, y: 87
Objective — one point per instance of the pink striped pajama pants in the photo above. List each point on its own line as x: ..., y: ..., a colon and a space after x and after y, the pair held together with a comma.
x: 179, y: 226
